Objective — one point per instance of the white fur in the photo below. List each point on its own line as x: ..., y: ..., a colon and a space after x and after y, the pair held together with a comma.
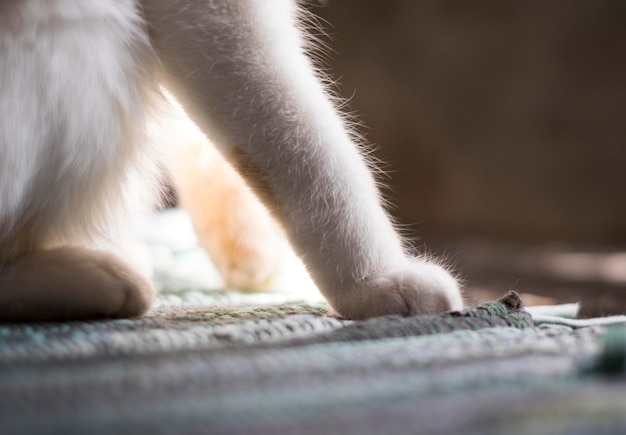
x: 76, y: 78
x: 73, y: 86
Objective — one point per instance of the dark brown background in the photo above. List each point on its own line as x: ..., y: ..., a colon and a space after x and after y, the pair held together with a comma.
x: 498, y: 118
x: 503, y: 126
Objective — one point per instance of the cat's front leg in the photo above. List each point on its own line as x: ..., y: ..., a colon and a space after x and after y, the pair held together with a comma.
x: 239, y: 69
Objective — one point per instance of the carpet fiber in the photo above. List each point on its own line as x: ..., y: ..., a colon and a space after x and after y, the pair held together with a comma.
x: 218, y: 362
x: 292, y: 368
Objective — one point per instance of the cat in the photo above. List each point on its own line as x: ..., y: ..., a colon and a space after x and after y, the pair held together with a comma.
x: 244, y: 243
x: 78, y: 81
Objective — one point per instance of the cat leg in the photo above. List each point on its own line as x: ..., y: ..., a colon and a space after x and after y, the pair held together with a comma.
x: 71, y: 283
x: 239, y: 69
x: 244, y: 243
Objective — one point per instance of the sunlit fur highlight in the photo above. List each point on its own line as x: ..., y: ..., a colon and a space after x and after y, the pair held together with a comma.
x: 77, y: 82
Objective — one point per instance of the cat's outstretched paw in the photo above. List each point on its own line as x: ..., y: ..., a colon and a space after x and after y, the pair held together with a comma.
x: 412, y: 289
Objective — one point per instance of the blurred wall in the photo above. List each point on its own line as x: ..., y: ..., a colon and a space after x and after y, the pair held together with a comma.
x: 500, y: 118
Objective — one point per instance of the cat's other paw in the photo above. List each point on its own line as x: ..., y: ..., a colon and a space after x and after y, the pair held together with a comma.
x: 412, y: 289
x: 71, y: 283
x: 249, y: 265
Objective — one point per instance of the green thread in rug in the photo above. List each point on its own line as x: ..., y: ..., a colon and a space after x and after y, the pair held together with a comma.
x: 230, y: 314
x: 177, y: 328
x: 508, y: 311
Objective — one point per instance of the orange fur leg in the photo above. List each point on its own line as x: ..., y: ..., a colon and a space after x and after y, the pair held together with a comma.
x: 243, y: 241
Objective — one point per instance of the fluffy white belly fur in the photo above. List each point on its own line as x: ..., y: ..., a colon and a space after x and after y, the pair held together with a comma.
x: 72, y: 97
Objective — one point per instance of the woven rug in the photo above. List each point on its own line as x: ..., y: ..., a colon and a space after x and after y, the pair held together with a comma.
x: 291, y: 368
x: 217, y: 362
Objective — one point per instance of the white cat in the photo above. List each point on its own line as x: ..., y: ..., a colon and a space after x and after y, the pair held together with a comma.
x: 77, y: 81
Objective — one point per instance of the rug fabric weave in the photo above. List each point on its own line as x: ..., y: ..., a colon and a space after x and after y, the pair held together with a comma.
x: 293, y: 368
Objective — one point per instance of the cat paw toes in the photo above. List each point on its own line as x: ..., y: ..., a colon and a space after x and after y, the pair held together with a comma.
x: 129, y: 294
x: 414, y: 289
